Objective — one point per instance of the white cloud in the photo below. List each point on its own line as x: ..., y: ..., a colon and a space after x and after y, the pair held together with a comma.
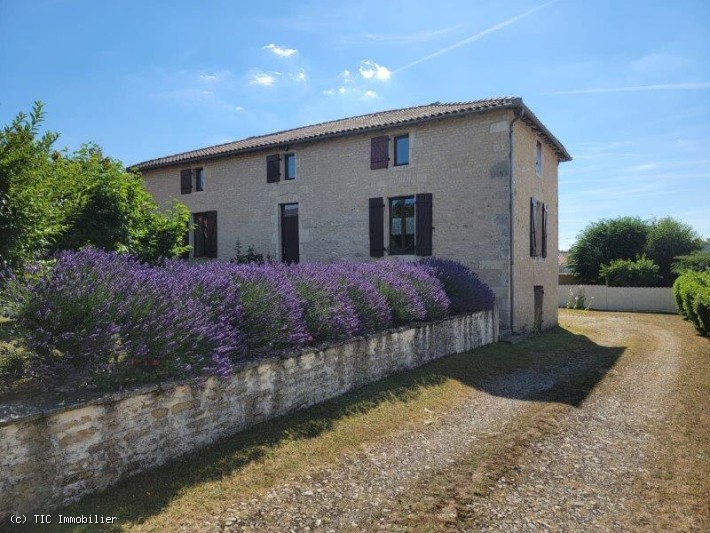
x: 346, y: 76
x: 298, y: 76
x: 645, y: 167
x: 329, y: 92
x: 239, y: 108
x: 263, y: 78
x: 371, y: 70
x: 280, y: 51
x: 209, y: 77
x: 370, y: 94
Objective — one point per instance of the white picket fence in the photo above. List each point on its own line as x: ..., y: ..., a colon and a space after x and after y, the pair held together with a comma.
x: 603, y: 298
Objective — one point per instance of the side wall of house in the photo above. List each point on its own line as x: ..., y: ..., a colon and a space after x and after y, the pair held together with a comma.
x: 462, y: 162
x: 530, y: 271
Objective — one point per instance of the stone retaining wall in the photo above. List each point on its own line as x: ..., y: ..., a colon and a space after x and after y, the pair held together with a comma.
x: 53, y: 458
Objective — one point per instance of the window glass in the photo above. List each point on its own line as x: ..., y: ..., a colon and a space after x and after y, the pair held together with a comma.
x: 290, y: 166
x: 199, y: 180
x: 401, y: 150
x: 402, y: 224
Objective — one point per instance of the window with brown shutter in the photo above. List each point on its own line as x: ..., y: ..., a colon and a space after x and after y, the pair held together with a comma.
x: 379, y: 152
x: 211, y: 231
x: 533, y: 232
x: 424, y: 230
x: 377, y: 228
x: 273, y: 168
x: 186, y: 181
x: 544, y: 230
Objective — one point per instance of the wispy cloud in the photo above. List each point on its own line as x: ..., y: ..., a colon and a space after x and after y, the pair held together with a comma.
x: 280, y: 51
x: 372, y: 71
x: 478, y: 36
x: 636, y: 88
x: 299, y: 76
x: 408, y: 38
x: 209, y: 77
x: 346, y: 76
x: 644, y: 167
x: 264, y: 79
x: 370, y: 94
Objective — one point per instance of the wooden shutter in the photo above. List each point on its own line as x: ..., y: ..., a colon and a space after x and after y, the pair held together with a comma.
x: 186, y: 241
x: 533, y: 234
x: 211, y: 234
x: 379, y: 152
x: 377, y: 227
x: 423, y: 207
x: 544, y: 230
x: 273, y: 168
x: 186, y: 181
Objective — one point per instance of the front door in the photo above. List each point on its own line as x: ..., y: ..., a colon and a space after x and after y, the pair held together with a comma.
x: 289, y: 233
x: 539, y: 294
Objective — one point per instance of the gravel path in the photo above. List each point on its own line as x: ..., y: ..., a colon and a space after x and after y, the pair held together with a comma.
x: 580, y: 478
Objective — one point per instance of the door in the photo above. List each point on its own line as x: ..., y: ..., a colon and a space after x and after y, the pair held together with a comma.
x: 539, y: 294
x: 289, y: 233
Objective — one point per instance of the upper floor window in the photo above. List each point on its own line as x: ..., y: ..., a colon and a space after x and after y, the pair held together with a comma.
x: 401, y: 150
x: 186, y: 180
x: 538, y: 228
x: 290, y: 166
x: 538, y: 158
x: 273, y: 167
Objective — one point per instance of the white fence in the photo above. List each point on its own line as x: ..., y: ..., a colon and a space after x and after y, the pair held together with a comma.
x: 603, y: 298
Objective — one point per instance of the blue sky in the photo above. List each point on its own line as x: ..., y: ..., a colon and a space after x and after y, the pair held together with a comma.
x: 624, y: 85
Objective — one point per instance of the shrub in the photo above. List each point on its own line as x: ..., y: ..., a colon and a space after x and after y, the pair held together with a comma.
x: 100, y: 317
x: 373, y: 311
x: 692, y: 296
x: 429, y: 288
x: 626, y: 273
x: 579, y: 300
x: 327, y: 309
x: 466, y: 292
x: 697, y: 261
x: 272, y: 311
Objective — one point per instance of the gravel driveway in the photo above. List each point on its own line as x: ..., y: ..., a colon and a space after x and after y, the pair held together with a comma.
x: 579, y: 477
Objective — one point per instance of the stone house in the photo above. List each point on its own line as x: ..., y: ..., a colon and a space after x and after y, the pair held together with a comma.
x: 473, y: 181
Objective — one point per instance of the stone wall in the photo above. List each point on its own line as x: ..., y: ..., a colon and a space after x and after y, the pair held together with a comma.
x: 54, y: 458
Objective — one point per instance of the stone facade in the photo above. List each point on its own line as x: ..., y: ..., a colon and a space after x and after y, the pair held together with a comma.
x: 54, y: 458
x: 464, y: 162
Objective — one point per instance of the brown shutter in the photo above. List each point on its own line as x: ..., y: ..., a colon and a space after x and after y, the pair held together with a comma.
x: 186, y: 181
x: 211, y: 235
x: 273, y: 168
x: 533, y: 235
x: 377, y: 227
x: 423, y: 206
x: 544, y: 230
x: 379, y: 152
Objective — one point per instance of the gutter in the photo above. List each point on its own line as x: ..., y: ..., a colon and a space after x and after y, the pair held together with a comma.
x: 511, y: 225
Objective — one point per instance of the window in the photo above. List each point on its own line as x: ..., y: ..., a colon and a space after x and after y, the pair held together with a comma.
x: 204, y: 239
x: 199, y: 179
x: 273, y: 168
x: 289, y: 166
x: 402, y: 225
x: 538, y: 228
x: 401, y: 150
x: 186, y: 181
x: 538, y: 159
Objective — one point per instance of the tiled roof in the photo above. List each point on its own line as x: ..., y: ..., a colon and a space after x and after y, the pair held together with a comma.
x: 359, y: 124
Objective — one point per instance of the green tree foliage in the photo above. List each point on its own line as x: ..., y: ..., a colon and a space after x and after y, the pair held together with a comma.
x: 626, y: 273
x: 667, y: 239
x: 605, y: 241
x: 28, y: 220
x: 52, y: 200
x: 697, y: 262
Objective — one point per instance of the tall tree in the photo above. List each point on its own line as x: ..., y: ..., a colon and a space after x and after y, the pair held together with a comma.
x: 668, y: 238
x: 603, y: 241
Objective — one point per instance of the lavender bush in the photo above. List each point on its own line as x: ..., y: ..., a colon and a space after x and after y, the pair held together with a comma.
x: 95, y: 318
x: 464, y: 288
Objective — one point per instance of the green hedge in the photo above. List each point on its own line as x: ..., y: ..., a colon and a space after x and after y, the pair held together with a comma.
x: 692, y: 297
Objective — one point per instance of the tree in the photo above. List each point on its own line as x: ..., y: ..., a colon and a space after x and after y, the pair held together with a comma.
x: 697, y: 262
x: 602, y: 242
x: 52, y: 200
x: 28, y: 220
x: 667, y: 239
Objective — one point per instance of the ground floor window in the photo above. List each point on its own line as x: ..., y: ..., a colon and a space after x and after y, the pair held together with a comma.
x: 204, y: 237
x: 402, y: 225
